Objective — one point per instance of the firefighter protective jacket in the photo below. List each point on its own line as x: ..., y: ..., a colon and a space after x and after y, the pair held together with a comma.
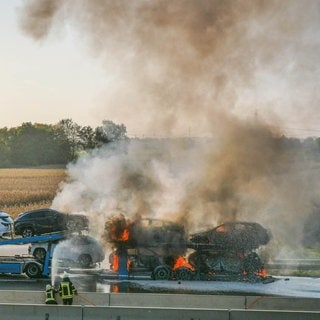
x: 50, y: 296
x: 67, y: 290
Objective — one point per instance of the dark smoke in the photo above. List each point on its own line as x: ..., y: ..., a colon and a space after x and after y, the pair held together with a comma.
x: 203, y: 67
x: 248, y: 153
x: 38, y: 17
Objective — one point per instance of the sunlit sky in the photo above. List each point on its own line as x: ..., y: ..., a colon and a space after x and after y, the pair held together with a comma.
x: 45, y: 81
x: 60, y: 76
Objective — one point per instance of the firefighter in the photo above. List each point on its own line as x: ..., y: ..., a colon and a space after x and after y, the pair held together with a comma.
x: 50, y: 295
x: 67, y: 290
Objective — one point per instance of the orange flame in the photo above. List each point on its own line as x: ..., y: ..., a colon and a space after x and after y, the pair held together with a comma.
x: 182, y: 262
x: 125, y: 235
x: 115, y: 288
x: 221, y: 229
x: 262, y: 273
x: 115, y: 262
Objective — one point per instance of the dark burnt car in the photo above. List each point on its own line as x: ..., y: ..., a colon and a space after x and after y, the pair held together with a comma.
x: 156, y: 232
x: 234, y: 236
x: 37, y: 222
x: 149, y: 242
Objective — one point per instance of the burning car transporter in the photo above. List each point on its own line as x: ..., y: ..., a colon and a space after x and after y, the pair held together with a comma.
x: 160, y: 250
x: 165, y: 251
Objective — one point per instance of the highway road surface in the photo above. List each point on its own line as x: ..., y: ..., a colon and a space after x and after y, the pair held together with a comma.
x: 282, y: 286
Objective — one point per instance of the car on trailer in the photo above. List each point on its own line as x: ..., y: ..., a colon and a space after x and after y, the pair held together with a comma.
x: 41, y: 221
x: 28, y: 264
x: 6, y: 224
x: 81, y: 251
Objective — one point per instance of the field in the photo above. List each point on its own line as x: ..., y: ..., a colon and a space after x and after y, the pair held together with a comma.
x: 27, y: 189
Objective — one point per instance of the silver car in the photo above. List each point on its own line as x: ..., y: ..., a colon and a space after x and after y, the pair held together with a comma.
x: 76, y: 251
x: 6, y: 224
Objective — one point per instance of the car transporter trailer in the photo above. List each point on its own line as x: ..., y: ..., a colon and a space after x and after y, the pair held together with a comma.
x: 32, y: 267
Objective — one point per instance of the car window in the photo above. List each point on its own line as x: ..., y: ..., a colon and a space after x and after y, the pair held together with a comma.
x: 48, y: 214
x: 36, y: 215
x: 80, y: 241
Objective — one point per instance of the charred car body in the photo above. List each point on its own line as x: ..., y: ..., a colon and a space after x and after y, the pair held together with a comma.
x: 164, y: 248
x: 148, y: 243
x: 229, y: 249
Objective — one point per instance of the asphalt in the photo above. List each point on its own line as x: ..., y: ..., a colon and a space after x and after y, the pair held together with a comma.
x: 281, y: 286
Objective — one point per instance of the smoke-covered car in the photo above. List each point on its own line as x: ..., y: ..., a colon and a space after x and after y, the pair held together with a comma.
x: 232, y: 236
x: 40, y: 221
x: 77, y: 251
x: 149, y: 242
x: 154, y: 232
x: 146, y: 232
x: 6, y: 224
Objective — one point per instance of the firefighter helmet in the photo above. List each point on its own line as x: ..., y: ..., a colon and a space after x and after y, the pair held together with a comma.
x: 48, y: 287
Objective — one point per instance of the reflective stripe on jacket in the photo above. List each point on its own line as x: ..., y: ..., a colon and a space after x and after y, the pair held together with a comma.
x: 65, y: 290
x: 50, y: 296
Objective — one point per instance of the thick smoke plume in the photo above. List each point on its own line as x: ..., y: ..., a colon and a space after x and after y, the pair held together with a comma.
x: 175, y: 66
x: 223, y: 69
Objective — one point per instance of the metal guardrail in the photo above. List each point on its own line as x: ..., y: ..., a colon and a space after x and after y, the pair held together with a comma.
x: 294, y: 264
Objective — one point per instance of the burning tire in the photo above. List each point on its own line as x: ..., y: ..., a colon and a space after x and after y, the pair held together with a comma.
x: 161, y: 273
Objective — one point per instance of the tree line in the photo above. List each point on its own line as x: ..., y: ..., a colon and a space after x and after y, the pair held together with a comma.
x: 57, y: 144
x: 46, y: 144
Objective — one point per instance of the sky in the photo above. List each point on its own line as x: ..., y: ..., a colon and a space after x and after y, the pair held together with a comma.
x: 46, y: 81
x: 165, y: 68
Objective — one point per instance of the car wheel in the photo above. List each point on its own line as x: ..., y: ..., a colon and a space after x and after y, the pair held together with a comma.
x: 85, y: 260
x: 27, y: 232
x: 40, y: 254
x: 32, y: 270
x: 183, y: 273
x: 161, y: 272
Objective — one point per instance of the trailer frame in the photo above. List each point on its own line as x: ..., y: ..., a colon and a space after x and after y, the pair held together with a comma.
x: 18, y: 264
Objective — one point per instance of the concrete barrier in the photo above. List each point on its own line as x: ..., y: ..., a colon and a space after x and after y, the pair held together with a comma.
x: 24, y: 297
x: 177, y: 301
x: 155, y: 300
x: 273, y: 315
x: 40, y: 312
x: 282, y: 303
x: 112, y: 313
x: 92, y: 298
x: 38, y: 297
x: 75, y: 312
